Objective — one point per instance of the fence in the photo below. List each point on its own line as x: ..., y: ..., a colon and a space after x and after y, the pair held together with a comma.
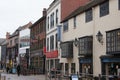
x: 59, y: 75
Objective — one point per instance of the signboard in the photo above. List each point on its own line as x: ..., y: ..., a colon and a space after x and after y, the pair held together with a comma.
x: 74, y: 77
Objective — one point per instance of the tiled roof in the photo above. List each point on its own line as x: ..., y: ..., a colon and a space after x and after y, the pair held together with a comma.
x: 81, y: 9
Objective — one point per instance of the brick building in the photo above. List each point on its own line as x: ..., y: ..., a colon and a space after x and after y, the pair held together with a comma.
x: 37, y: 44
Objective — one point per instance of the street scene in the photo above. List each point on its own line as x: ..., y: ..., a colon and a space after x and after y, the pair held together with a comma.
x: 70, y: 40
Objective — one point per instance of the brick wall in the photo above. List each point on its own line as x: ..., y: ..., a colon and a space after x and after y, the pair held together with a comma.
x: 68, y: 6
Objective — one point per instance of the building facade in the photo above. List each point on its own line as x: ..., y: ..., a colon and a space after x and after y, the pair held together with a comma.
x: 24, y: 46
x: 37, y: 44
x: 2, y: 53
x: 94, y: 32
x: 12, y: 48
x: 53, y: 21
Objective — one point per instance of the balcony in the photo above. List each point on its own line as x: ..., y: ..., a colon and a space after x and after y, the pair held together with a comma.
x: 52, y: 54
x: 67, y: 49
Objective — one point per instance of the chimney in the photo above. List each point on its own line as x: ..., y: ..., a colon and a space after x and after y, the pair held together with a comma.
x: 7, y: 35
x: 44, y: 11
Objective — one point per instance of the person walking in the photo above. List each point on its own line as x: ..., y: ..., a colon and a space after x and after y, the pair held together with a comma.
x: 7, y: 69
x: 18, y: 69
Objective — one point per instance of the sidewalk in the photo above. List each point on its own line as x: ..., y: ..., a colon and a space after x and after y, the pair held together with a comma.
x: 21, y: 77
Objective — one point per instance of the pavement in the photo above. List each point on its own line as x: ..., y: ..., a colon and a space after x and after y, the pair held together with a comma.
x: 5, y: 76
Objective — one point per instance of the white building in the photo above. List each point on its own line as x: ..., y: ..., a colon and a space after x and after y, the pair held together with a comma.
x: 24, y: 44
x: 53, y: 20
x: 86, y: 52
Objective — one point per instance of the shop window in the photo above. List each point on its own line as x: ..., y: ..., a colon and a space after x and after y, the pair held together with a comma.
x: 66, y: 68
x: 73, y: 68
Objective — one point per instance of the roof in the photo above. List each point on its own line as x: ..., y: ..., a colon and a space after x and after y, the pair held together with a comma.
x: 1, y: 40
x: 26, y: 25
x: 81, y: 9
x: 44, y: 17
x: 20, y: 28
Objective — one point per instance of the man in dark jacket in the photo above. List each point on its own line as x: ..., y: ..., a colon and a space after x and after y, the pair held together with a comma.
x: 18, y: 69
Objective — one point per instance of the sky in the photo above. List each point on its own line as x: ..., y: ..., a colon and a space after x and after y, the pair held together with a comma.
x: 15, y: 13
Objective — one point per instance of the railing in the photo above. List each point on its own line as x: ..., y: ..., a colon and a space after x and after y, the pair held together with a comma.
x: 59, y: 75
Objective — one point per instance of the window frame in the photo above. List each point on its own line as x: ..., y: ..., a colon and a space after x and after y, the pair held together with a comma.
x: 113, y: 41
x: 52, y: 42
x: 104, y: 8
x: 56, y: 16
x: 89, y: 15
x: 86, y: 45
x: 65, y: 26
x: 74, y: 21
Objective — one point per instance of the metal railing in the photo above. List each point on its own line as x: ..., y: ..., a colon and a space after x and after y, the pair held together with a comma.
x: 59, y: 75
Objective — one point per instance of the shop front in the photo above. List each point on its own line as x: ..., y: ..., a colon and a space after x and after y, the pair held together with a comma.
x: 86, y: 66
x: 37, y: 62
x: 111, y: 66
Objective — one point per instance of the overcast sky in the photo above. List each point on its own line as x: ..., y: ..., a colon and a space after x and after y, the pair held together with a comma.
x: 15, y: 13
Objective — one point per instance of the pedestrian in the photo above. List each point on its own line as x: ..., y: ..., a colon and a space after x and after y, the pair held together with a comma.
x: 7, y: 69
x: 18, y: 69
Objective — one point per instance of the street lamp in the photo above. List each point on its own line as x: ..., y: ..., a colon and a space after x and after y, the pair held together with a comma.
x: 99, y: 37
x: 76, y: 42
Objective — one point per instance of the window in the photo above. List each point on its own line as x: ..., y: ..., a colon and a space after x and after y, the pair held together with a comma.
x: 113, y: 42
x: 104, y: 8
x: 56, y: 16
x: 52, y: 42
x: 65, y: 26
x: 67, y: 49
x: 85, y: 45
x: 66, y: 68
x: 88, y: 15
x: 56, y: 41
x: 48, y: 23
x: 51, y: 21
x: 10, y: 42
x: 16, y: 41
x: 47, y: 44
x: 119, y: 4
x: 72, y: 67
x: 75, y: 22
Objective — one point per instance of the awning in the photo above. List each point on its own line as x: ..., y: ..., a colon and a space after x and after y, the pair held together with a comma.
x: 85, y: 60
x: 107, y: 59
